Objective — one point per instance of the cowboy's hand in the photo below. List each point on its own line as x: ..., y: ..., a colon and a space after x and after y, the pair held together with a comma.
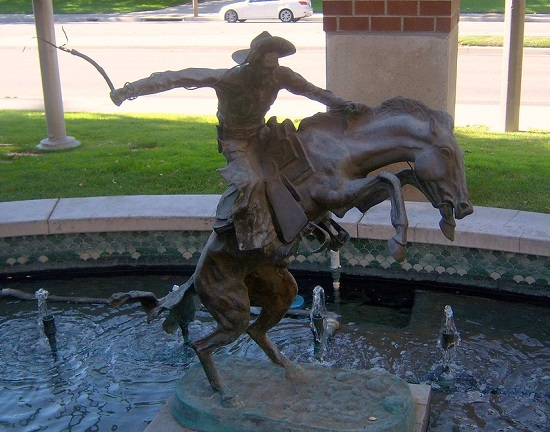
x: 118, y: 96
x: 347, y: 107
x: 352, y: 107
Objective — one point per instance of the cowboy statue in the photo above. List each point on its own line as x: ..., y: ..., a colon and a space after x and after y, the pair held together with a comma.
x: 245, y: 94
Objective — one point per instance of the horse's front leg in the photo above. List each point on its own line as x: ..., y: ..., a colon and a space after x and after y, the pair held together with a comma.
x: 398, y: 215
x: 365, y: 193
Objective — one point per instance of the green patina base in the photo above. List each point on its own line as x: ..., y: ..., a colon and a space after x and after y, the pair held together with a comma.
x: 331, y: 400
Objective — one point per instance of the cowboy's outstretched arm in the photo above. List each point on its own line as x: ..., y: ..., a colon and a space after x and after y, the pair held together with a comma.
x: 297, y: 84
x: 163, y: 81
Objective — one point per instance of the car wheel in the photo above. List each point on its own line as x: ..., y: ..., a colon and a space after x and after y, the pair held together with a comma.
x: 286, y: 16
x: 231, y: 16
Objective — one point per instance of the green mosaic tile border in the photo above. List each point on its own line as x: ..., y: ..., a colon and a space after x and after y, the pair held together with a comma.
x: 149, y: 248
x: 487, y: 269
x: 513, y: 272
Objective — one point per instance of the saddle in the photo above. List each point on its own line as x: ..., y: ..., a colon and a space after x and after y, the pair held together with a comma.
x: 285, y: 165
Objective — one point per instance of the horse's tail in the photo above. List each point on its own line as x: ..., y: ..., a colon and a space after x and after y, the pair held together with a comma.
x: 182, y: 309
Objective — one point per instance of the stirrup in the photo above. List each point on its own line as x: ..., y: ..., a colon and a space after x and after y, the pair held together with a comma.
x: 318, y: 232
x: 339, y: 236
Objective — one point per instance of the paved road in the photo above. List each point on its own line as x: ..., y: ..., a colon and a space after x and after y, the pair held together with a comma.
x: 130, y: 49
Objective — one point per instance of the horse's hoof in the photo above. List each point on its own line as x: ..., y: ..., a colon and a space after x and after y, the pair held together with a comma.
x: 447, y: 227
x: 232, y: 402
x: 397, y: 250
x: 297, y: 375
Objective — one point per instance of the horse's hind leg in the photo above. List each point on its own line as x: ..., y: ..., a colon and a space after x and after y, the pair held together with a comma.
x: 221, y: 289
x: 230, y: 327
x: 274, y: 288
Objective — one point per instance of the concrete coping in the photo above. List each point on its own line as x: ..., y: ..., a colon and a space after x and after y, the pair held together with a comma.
x: 488, y: 228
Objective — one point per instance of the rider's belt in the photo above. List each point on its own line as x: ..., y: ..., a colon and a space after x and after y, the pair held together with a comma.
x: 239, y: 132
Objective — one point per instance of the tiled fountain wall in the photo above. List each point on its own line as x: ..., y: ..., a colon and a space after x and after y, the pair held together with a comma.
x: 109, y: 235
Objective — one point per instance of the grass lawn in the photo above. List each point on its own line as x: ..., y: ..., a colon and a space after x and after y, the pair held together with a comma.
x: 119, y: 155
x: 106, y: 6
x: 89, y: 6
x: 154, y: 154
x: 484, y: 6
x: 498, y: 41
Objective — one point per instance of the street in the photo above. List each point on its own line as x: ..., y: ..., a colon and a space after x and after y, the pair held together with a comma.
x: 132, y: 50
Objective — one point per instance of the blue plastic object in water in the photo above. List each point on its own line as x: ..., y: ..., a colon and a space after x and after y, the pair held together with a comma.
x: 298, y: 302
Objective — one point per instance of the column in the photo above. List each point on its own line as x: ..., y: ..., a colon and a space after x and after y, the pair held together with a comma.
x: 51, y: 86
x: 378, y: 49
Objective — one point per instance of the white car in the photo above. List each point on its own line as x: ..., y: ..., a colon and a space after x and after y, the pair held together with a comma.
x: 285, y: 10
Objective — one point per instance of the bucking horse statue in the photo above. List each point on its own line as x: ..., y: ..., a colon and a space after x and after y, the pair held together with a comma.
x: 324, y: 167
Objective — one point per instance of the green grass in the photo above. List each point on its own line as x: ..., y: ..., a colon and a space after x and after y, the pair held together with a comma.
x: 119, y: 155
x: 317, y: 5
x: 154, y: 154
x: 89, y: 6
x: 498, y: 41
x: 507, y: 170
x: 487, y: 6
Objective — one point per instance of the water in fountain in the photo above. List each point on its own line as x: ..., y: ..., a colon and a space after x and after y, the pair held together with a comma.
x: 114, y: 371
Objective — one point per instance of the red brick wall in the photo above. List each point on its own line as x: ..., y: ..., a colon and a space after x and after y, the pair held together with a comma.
x: 438, y: 16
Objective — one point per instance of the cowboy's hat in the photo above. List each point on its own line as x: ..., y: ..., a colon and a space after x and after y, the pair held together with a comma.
x: 262, y: 44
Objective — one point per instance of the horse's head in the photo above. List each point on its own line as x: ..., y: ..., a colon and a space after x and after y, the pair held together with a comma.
x: 440, y: 174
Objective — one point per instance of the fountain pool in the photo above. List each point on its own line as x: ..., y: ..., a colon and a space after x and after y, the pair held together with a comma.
x: 113, y: 371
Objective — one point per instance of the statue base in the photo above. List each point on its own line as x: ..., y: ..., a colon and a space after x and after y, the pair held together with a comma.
x: 331, y: 400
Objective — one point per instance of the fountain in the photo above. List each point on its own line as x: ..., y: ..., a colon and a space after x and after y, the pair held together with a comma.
x: 321, y: 326
x: 110, y: 361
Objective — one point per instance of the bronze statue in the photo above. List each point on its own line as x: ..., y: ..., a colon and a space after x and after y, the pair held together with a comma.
x: 294, y: 179
x: 245, y: 95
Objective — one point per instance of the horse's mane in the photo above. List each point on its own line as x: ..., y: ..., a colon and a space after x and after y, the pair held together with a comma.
x: 417, y: 109
x: 338, y: 119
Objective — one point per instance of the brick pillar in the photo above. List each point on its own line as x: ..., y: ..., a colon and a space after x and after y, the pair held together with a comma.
x: 378, y: 49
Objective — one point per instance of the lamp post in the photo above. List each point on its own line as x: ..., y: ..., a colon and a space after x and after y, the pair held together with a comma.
x: 51, y: 86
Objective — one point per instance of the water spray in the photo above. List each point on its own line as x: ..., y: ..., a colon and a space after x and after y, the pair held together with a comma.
x: 47, y: 319
x: 322, y: 324
x: 449, y: 338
